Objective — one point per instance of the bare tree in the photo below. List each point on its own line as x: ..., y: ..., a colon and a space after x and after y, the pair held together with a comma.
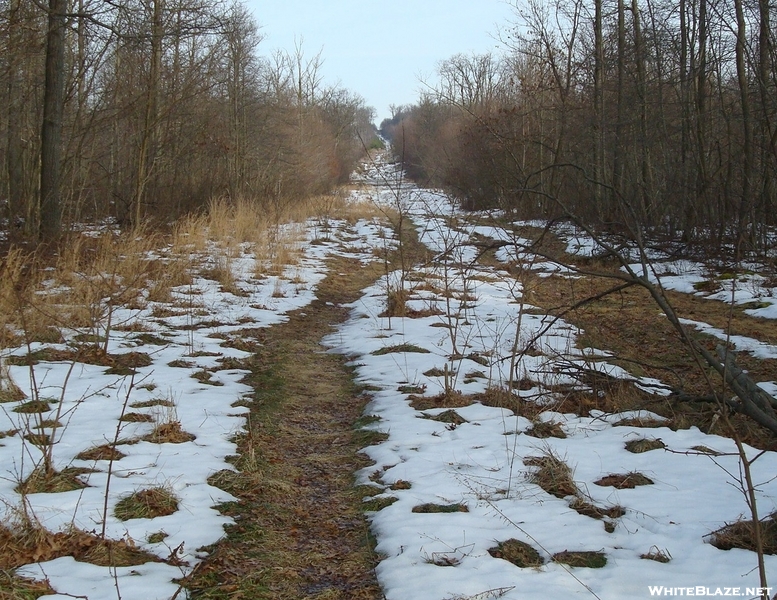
x: 51, y: 131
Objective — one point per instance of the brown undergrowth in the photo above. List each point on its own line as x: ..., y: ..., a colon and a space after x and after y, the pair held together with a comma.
x: 26, y: 542
x: 300, y: 530
x: 630, y: 325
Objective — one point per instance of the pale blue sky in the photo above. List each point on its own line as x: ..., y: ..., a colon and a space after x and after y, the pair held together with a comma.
x: 380, y: 48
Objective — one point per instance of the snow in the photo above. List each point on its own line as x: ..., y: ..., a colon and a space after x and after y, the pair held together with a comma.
x: 477, y: 322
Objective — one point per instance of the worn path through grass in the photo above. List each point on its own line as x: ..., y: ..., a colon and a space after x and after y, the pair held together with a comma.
x: 300, y: 531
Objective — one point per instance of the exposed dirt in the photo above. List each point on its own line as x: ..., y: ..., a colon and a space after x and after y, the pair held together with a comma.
x: 300, y: 530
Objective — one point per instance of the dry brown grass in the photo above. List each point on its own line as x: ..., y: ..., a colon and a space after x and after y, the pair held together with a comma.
x: 629, y: 325
x: 96, y: 274
x: 14, y: 587
x: 449, y: 416
x: 657, y: 555
x: 103, y: 452
x: 432, y: 508
x: 501, y: 397
x: 585, y: 558
x: 545, y: 429
x: 274, y: 236
x: 147, y: 504
x: 741, y: 534
x: 452, y: 399
x: 169, y: 432
x: 641, y: 445
x: 136, y: 417
x: 396, y: 303
x: 23, y: 542
x: 85, y: 281
x: 9, y: 391
x: 21, y: 318
x: 587, y: 508
x: 42, y: 481
x: 552, y: 474
x: 624, y: 481
x: 32, y: 407
x: 517, y: 552
x: 163, y: 402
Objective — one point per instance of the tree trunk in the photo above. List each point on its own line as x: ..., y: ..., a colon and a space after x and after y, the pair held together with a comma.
x: 617, y: 170
x: 599, y: 126
x: 148, y: 140
x: 51, y: 132
x: 767, y: 127
x: 746, y: 201
x: 701, y: 107
x: 646, y: 192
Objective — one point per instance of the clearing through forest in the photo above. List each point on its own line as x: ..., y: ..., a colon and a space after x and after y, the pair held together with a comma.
x: 516, y: 448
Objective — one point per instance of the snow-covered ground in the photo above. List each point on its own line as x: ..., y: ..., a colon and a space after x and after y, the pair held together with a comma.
x: 469, y: 321
x: 477, y: 461
x: 185, y: 382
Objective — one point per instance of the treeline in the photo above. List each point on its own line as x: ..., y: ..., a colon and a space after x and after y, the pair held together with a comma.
x: 147, y: 109
x: 656, y: 115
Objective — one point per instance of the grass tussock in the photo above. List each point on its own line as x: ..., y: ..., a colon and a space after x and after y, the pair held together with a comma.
x: 169, y: 433
x: 449, y: 416
x: 656, y: 554
x: 742, y: 534
x: 206, y: 377
x: 8, y: 433
x: 41, y: 440
x: 625, y: 481
x: 452, y: 399
x: 103, y: 452
x: 432, y: 508
x: 163, y: 402
x: 646, y: 422
x: 517, y: 552
x: 401, y: 484
x: 585, y: 507
x: 501, y: 397
x: 436, y: 372
x: 552, y: 474
x: 641, y: 445
x: 585, y: 558
x: 42, y: 481
x: 147, y: 504
x: 136, y: 417
x: 32, y: 407
x: 396, y: 303
x: 399, y: 348
x: 546, y: 429
x: 379, y: 503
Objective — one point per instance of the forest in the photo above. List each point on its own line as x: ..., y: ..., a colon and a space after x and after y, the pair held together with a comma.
x: 147, y: 110
x: 649, y: 117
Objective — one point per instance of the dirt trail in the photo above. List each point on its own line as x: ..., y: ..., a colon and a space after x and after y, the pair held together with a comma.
x: 300, y: 531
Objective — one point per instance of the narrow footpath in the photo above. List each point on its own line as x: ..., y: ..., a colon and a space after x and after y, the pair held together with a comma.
x: 300, y: 529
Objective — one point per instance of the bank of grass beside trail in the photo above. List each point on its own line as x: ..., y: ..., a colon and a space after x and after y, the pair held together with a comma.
x: 631, y: 326
x: 64, y: 287
x: 300, y: 530
x: 44, y: 293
